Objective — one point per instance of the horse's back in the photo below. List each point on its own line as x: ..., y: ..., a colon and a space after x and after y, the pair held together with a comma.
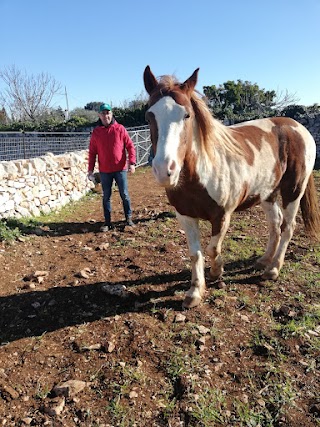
x: 291, y: 142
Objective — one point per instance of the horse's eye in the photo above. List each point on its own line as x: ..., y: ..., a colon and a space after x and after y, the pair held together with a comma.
x: 187, y: 116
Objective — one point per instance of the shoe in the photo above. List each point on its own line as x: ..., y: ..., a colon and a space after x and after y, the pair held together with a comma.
x: 106, y: 227
x: 130, y: 222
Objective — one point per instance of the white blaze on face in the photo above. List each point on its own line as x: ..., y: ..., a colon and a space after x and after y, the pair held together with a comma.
x: 170, y: 120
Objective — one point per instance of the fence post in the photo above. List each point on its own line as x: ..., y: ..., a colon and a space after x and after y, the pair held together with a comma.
x: 24, y: 144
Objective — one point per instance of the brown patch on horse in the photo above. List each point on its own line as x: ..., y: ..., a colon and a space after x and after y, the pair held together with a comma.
x: 291, y: 164
x: 190, y: 198
x: 246, y: 201
x: 251, y: 134
x: 153, y: 130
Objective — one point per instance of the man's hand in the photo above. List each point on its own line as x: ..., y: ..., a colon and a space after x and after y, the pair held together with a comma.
x: 91, y: 177
x: 132, y: 168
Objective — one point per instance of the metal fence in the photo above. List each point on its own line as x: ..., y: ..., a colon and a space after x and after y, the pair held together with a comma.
x: 27, y: 145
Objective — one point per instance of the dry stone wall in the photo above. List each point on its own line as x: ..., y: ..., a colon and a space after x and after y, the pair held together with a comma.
x: 43, y: 184
x: 312, y: 123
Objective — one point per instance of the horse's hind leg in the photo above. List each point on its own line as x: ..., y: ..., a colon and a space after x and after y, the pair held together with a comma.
x: 195, y: 293
x: 287, y: 229
x: 274, y: 219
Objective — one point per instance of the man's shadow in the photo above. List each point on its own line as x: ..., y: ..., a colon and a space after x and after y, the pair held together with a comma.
x: 36, y: 312
x: 32, y: 313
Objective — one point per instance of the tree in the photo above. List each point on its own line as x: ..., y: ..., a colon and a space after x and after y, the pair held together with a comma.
x: 27, y: 97
x: 87, y: 114
x: 93, y: 106
x: 243, y: 100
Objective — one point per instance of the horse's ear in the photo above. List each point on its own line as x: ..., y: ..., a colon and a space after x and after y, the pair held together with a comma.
x: 150, y: 82
x: 191, y: 82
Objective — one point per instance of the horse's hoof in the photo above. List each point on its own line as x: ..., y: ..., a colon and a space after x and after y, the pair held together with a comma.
x: 216, y: 275
x: 259, y: 266
x: 272, y: 274
x: 190, y: 302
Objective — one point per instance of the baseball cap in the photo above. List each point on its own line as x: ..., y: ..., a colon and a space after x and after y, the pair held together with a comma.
x: 104, y: 107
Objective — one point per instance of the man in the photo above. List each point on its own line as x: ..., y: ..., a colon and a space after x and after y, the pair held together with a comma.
x: 110, y: 141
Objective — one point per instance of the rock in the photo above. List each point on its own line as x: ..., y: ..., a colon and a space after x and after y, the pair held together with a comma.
x: 69, y: 388
x: 109, y: 346
x: 7, y: 392
x: 91, y: 347
x: 55, y: 406
x: 40, y: 273
x: 244, y: 318
x: 180, y: 318
x: 85, y: 273
x: 133, y: 394
x: 103, y: 247
x: 27, y: 421
x: 203, y: 330
x: 221, y: 285
x: 200, y: 343
x: 115, y: 290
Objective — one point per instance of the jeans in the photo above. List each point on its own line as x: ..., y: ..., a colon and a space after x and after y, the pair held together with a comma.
x: 122, y: 183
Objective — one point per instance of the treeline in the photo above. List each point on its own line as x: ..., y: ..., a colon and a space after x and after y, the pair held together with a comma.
x: 26, y: 105
x: 80, y: 120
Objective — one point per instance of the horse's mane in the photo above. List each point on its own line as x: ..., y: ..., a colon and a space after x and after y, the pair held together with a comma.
x: 211, y: 131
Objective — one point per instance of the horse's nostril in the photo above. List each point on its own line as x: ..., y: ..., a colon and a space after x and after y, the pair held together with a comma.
x: 171, y: 168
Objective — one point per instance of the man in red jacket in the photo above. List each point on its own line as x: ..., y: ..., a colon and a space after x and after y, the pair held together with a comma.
x: 110, y: 141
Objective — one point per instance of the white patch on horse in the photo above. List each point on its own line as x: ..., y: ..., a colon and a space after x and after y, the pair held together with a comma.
x: 169, y: 117
x: 226, y: 181
x: 265, y: 125
x: 310, y: 147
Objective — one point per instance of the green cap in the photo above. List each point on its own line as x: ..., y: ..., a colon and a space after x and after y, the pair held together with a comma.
x: 104, y: 107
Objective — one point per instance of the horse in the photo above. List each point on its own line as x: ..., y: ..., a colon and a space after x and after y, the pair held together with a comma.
x: 210, y: 170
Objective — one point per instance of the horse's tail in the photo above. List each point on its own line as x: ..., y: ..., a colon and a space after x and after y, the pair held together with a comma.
x: 310, y: 209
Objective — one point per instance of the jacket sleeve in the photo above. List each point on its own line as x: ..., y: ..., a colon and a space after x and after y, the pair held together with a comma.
x: 129, y: 147
x: 92, y: 153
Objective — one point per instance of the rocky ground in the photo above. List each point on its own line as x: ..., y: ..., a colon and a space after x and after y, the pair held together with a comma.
x: 93, y: 333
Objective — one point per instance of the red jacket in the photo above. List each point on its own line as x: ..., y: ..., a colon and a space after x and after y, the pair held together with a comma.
x: 111, y: 144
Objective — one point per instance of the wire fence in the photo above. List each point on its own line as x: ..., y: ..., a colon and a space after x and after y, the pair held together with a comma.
x: 27, y: 145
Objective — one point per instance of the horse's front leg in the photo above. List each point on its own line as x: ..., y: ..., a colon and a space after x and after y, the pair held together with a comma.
x: 219, y: 229
x: 195, y: 293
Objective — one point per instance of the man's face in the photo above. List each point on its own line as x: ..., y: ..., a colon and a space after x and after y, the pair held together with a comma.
x: 106, y: 117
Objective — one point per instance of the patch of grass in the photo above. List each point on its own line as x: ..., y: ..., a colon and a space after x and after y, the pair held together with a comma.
x: 273, y: 395
x: 70, y: 209
x: 120, y: 413
x: 301, y: 326
x: 12, y: 229
x: 210, y: 407
x: 8, y: 231
x: 265, y: 345
x: 126, y: 379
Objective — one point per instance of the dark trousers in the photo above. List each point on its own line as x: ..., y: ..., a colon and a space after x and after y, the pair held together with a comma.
x: 122, y: 183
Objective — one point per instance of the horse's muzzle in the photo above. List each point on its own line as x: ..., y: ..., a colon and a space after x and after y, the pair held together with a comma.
x: 165, y: 176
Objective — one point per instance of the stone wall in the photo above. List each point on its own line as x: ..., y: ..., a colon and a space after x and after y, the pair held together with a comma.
x: 312, y: 123
x: 40, y: 185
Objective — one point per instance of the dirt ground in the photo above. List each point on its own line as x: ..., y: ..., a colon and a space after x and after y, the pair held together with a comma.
x: 100, y: 314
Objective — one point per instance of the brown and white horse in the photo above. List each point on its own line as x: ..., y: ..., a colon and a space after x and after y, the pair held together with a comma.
x: 210, y: 170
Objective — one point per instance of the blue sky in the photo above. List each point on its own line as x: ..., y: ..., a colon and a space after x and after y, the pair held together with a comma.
x: 98, y: 50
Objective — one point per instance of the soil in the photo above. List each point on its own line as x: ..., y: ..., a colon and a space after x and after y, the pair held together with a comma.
x: 137, y: 358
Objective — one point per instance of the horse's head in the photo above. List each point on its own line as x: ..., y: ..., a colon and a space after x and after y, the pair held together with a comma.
x: 170, y: 116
